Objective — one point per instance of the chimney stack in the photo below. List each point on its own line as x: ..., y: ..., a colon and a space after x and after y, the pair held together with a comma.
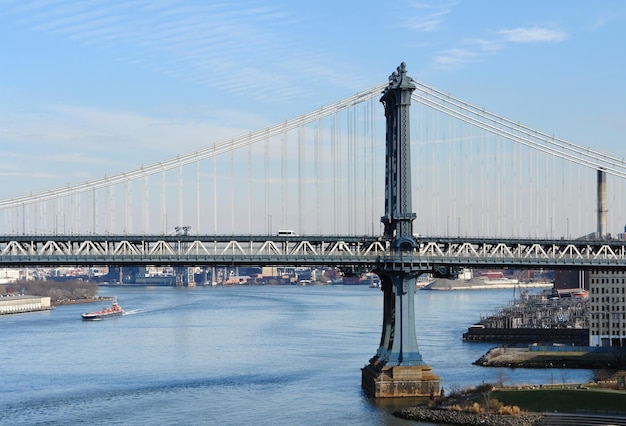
x: 601, y: 204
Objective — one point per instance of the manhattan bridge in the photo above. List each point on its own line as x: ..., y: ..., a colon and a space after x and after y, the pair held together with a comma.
x: 453, y: 186
x: 486, y: 191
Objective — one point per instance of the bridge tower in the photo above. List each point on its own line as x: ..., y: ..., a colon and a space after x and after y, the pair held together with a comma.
x: 397, y: 369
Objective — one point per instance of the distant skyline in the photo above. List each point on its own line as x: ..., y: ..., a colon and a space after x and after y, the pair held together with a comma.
x: 98, y: 88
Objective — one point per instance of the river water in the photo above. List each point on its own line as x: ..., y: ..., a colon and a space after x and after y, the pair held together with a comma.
x: 286, y: 355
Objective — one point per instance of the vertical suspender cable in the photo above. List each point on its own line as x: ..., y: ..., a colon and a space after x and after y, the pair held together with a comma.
x: 484, y: 225
x: 79, y: 214
x: 529, y: 188
x: 364, y: 163
x: 570, y: 198
x: 266, y: 184
x: 333, y: 156
x: 430, y: 183
x: 127, y: 207
x: 283, y: 172
x: 250, y: 188
x: 232, y: 189
x: 453, y: 162
x: 129, y: 200
x: 110, y: 208
x: 93, y: 211
x: 552, y: 201
x: 146, y: 204
x: 469, y: 221
x: 497, y: 184
x: 350, y: 171
x: 316, y: 143
x: 546, y: 206
x: 181, y: 221
x: 214, y: 195
x: 373, y: 168
x: 449, y: 169
x: 300, y: 177
x: 163, y: 206
x: 353, y: 160
x: 513, y: 157
x: 340, y: 225
x: 41, y: 220
x: 198, y: 198
x: 422, y: 139
x: 436, y: 182
x: 534, y: 191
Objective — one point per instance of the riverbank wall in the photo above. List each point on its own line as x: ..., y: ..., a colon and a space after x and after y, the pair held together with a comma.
x: 569, y: 336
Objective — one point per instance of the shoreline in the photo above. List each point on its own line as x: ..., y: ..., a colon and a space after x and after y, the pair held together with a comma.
x: 502, y: 356
x: 446, y: 416
x: 83, y: 301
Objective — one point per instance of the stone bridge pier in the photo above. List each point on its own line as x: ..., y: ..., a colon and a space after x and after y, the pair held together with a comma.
x: 397, y: 369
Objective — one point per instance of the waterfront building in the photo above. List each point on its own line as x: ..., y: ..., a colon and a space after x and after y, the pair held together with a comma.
x: 8, y: 275
x: 23, y: 303
x: 607, y: 299
x: 571, y: 279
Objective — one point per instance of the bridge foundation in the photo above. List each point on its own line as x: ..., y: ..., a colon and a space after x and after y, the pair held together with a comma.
x: 397, y: 369
x: 380, y: 381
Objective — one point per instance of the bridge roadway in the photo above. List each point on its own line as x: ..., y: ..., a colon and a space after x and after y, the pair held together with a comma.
x: 432, y: 254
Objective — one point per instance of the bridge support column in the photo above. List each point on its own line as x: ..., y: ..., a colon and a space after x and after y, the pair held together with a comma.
x: 397, y: 369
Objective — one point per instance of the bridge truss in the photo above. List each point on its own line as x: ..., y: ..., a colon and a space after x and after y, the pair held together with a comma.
x: 436, y: 255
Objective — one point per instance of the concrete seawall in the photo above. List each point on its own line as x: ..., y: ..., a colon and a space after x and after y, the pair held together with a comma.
x: 575, y: 336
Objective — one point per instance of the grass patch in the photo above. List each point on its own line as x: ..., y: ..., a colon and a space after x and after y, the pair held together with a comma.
x: 563, y: 400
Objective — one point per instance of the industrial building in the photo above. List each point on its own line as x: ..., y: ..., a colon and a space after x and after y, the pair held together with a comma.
x: 607, y: 309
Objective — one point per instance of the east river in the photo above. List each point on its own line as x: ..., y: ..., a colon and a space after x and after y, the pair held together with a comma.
x: 287, y: 355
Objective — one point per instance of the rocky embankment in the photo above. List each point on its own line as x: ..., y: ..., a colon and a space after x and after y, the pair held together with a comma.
x: 450, y: 417
x: 523, y: 358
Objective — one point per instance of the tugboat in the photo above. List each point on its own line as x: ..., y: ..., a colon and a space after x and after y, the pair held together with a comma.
x: 114, y: 311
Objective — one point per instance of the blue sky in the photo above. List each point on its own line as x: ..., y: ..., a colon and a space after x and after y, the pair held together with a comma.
x: 98, y: 87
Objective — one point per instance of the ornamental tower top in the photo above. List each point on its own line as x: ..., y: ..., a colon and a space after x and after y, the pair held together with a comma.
x: 399, y: 216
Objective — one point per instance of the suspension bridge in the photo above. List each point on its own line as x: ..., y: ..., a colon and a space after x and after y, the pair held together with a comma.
x: 487, y: 191
x: 466, y: 187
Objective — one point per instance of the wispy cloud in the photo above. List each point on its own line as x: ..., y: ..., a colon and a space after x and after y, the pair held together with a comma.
x: 473, y: 50
x: 66, y: 140
x: 532, y: 35
x: 453, y: 58
x: 209, y: 43
x: 428, y: 17
x: 606, y: 18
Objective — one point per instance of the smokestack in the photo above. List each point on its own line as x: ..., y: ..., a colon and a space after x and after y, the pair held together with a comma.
x: 601, y: 203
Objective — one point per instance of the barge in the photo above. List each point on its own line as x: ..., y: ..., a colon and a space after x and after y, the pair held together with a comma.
x: 114, y: 311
